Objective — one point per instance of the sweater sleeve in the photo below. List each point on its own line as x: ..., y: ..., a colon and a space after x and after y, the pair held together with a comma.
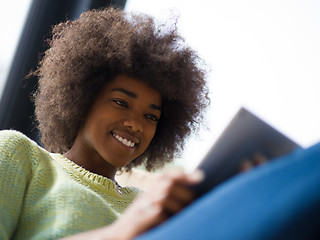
x: 15, y: 170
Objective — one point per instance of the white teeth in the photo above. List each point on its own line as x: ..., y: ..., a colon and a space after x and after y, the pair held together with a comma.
x: 124, y: 141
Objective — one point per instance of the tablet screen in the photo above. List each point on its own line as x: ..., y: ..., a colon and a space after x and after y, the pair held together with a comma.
x: 244, y: 136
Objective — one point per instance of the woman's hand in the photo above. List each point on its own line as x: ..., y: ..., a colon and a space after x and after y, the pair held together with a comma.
x: 256, y: 160
x: 168, y: 194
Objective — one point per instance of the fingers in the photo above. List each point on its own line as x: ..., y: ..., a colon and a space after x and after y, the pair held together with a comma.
x: 140, y: 217
x: 173, y: 194
x: 167, y: 196
x: 245, y: 165
x: 256, y: 160
x: 259, y: 159
x: 170, y: 193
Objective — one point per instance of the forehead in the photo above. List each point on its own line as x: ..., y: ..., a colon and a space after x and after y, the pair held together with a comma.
x: 134, y: 88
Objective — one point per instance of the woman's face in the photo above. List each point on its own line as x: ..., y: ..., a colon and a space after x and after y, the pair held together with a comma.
x: 122, y: 121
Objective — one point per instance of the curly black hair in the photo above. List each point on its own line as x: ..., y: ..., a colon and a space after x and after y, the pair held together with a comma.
x: 86, y: 53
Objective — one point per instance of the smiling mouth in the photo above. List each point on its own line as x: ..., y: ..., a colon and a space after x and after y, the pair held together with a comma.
x: 124, y: 141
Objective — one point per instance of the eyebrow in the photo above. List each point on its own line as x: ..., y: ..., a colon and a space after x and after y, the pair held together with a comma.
x: 133, y: 95
x: 128, y: 93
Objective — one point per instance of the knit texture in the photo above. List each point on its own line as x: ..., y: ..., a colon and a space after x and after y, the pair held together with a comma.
x: 46, y: 196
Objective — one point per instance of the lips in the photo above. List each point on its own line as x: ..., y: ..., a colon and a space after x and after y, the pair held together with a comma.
x: 124, y: 141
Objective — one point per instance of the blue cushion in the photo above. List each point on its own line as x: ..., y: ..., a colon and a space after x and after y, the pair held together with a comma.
x: 279, y: 200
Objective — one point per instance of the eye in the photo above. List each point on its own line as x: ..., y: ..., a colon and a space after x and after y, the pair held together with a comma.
x: 120, y: 102
x: 152, y: 117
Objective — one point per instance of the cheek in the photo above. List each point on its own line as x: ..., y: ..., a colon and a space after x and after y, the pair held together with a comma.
x: 150, y: 134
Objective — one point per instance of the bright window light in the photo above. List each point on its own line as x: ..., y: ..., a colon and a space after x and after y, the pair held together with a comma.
x: 12, y: 19
x: 265, y: 56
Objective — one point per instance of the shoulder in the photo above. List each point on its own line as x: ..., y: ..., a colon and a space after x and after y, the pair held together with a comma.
x: 15, y: 146
x: 11, y: 139
x: 7, y: 135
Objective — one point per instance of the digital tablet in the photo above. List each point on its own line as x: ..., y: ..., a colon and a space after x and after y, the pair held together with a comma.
x: 244, y: 136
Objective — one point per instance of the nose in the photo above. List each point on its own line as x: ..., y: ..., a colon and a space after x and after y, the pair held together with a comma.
x: 134, y: 124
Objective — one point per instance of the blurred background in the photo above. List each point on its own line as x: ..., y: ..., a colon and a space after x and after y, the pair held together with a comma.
x: 263, y: 55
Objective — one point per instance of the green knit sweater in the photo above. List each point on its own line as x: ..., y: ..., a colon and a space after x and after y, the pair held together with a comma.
x: 46, y: 196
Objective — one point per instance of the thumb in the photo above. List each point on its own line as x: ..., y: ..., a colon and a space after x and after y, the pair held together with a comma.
x: 195, y: 177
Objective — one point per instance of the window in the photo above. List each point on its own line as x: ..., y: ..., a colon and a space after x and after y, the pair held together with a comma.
x: 12, y: 18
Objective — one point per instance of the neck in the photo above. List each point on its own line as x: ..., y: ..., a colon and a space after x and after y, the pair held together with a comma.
x: 91, y: 161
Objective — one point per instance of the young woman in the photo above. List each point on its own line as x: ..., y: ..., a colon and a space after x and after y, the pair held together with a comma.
x: 115, y: 91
